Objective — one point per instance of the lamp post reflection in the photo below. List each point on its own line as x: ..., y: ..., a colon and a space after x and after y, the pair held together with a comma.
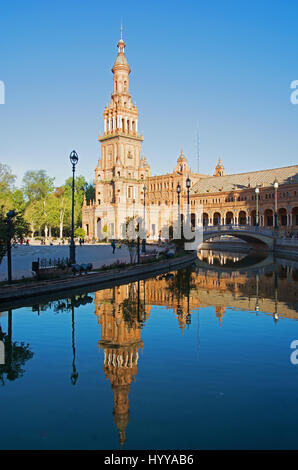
x: 257, y: 308
x: 276, y: 315
x: 74, y: 376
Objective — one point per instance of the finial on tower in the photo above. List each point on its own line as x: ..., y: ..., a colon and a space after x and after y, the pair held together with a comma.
x: 219, y: 169
x: 121, y: 29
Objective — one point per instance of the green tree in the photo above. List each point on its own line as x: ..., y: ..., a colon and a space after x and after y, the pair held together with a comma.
x: 63, y: 200
x: 89, y: 193
x: 37, y: 185
x: 80, y: 232
x: 80, y: 187
x: 33, y: 216
x: 7, y: 179
x: 19, y: 229
x: 18, y: 200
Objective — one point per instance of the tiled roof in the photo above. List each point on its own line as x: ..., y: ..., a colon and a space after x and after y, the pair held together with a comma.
x: 263, y: 178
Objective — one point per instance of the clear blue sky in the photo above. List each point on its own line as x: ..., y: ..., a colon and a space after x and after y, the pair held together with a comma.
x: 224, y: 67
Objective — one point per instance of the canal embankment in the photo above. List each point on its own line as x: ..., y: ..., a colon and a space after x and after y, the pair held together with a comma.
x: 94, y: 280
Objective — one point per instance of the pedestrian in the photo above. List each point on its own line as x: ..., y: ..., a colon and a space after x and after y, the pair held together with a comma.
x: 143, y: 245
x: 113, y: 244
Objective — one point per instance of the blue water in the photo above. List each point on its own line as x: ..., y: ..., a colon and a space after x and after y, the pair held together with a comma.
x: 219, y: 385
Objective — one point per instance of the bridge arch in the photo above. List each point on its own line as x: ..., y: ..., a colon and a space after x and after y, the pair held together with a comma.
x: 254, y: 236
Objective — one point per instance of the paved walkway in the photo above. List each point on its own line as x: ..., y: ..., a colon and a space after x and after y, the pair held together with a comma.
x: 22, y: 257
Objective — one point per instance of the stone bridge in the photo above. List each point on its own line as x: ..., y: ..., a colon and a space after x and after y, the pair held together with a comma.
x: 258, y: 237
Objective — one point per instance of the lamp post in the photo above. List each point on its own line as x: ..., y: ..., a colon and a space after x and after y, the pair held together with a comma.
x: 275, y: 185
x: 178, y: 194
x: 178, y: 189
x: 144, y: 189
x: 9, y: 216
x: 257, y: 205
x: 188, y: 182
x: 72, y: 249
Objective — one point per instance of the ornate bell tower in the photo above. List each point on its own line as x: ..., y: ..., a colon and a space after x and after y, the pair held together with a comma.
x: 121, y: 163
x: 121, y: 172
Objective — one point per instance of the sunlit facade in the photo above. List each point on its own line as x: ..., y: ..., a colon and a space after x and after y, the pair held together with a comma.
x: 124, y: 186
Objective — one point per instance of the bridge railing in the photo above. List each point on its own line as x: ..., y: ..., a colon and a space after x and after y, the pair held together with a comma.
x: 238, y: 228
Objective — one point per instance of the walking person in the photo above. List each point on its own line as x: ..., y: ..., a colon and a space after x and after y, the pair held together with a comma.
x: 113, y: 245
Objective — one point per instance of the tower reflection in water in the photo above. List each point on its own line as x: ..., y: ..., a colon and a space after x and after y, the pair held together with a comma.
x: 121, y: 314
x: 122, y: 311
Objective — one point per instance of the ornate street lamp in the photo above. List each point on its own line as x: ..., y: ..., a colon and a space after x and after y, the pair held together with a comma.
x: 188, y: 182
x: 72, y: 249
x: 188, y: 211
x: 9, y: 216
x: 275, y: 185
x: 178, y: 193
x: 145, y: 189
x: 257, y: 205
x: 178, y: 189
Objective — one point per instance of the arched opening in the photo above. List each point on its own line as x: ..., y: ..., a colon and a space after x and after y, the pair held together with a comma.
x: 229, y: 218
x: 242, y: 218
x: 193, y: 220
x: 98, y: 228
x: 205, y: 219
x: 216, y: 218
x: 295, y: 216
x: 268, y: 218
x: 253, y: 218
x: 123, y: 125
x: 282, y: 217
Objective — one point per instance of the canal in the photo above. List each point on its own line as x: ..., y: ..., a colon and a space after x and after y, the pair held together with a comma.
x: 199, y: 358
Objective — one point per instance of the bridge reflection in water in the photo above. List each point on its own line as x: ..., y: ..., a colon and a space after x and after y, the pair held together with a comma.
x: 122, y: 311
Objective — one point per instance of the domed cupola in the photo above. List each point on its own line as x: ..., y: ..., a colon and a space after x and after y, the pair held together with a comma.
x: 219, y: 169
